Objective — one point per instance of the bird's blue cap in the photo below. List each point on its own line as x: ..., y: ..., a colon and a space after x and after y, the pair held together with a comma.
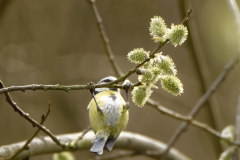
x: 103, y: 81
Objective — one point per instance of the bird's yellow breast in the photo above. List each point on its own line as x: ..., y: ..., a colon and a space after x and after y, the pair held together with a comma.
x: 114, y: 115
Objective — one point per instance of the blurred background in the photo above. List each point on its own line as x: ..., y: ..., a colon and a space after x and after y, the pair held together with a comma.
x: 57, y: 42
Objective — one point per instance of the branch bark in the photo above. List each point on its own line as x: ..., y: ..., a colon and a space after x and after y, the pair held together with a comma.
x: 200, y: 103
x: 105, y: 39
x: 127, y: 140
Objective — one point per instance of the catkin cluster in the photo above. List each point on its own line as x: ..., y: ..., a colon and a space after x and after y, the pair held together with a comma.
x: 160, y: 67
x: 159, y: 31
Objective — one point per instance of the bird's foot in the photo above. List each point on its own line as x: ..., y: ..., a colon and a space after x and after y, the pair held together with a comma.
x: 127, y: 86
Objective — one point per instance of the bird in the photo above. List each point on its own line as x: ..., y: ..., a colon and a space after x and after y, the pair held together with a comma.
x: 108, y: 116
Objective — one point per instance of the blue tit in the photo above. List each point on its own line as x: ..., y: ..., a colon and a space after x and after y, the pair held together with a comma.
x: 108, y: 115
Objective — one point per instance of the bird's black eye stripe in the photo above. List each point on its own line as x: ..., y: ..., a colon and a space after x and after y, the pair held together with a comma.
x: 107, y: 80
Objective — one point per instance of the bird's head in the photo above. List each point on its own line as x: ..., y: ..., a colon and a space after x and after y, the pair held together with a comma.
x: 103, y: 81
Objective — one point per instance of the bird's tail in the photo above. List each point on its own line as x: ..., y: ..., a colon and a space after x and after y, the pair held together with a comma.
x: 110, y: 143
x: 98, y: 145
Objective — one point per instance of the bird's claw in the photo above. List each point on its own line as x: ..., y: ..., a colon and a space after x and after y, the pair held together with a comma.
x: 91, y: 84
x: 92, y: 87
x: 126, y: 86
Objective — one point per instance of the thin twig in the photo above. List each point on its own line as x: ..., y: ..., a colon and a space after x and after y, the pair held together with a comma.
x: 237, y: 127
x: 198, y: 56
x: 28, y: 118
x: 235, y: 10
x: 25, y: 146
x: 34, y: 87
x: 189, y: 119
x: 105, y: 39
x: 66, y: 88
x: 185, y: 20
x: 85, y: 131
x: 195, y: 47
x: 200, y: 103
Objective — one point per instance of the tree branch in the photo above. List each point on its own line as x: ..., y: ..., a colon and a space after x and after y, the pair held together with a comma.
x: 25, y: 146
x: 85, y: 131
x: 237, y: 127
x: 66, y: 88
x: 235, y: 10
x: 28, y: 118
x: 195, y: 47
x: 105, y: 39
x: 200, y: 103
x: 198, y: 56
x: 189, y: 119
x: 127, y: 140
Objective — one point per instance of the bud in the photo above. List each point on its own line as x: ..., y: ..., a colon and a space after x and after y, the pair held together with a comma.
x: 148, y: 64
x: 228, y: 132
x: 146, y: 77
x: 177, y: 34
x: 227, y: 154
x: 137, y: 56
x: 156, y: 74
x: 158, y: 29
x: 172, y: 84
x: 140, y: 95
x: 166, y: 65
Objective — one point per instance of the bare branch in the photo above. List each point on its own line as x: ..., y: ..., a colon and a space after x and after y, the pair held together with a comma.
x: 235, y: 10
x: 127, y: 141
x: 185, y: 20
x: 199, y: 58
x: 237, y: 126
x: 189, y: 119
x: 200, y: 103
x: 105, y: 39
x: 25, y: 146
x: 28, y: 118
x: 34, y: 87
x: 85, y: 131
